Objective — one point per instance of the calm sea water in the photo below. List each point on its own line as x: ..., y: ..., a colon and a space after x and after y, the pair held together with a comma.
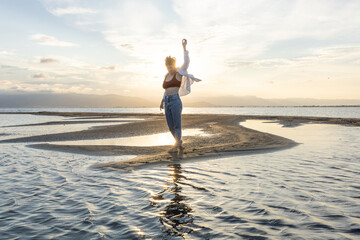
x: 345, y: 112
x: 311, y: 191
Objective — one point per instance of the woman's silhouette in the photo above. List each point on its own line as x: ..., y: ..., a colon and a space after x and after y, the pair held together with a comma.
x: 177, y: 83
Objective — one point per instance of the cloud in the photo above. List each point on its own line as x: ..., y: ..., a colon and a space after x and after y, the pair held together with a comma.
x: 328, y: 55
x: 18, y: 86
x: 72, y: 11
x: 65, y: 67
x: 6, y: 53
x: 42, y: 75
x: 339, y: 53
x: 111, y: 68
x: 48, y: 60
x: 219, y: 32
x: 135, y: 28
x: 261, y: 41
x: 47, y: 40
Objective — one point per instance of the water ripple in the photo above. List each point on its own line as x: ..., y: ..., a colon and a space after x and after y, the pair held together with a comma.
x: 307, y: 192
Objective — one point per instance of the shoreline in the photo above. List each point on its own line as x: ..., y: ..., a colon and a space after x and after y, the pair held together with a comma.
x: 296, y: 119
x: 227, y: 137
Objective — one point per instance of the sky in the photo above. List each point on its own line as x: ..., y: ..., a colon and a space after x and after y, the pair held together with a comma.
x: 269, y: 49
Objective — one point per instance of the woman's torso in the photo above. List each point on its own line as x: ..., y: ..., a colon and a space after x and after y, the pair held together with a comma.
x: 174, y: 79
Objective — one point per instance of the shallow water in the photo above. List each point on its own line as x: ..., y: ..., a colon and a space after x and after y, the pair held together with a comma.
x: 24, y: 125
x: 311, y: 191
x: 158, y: 139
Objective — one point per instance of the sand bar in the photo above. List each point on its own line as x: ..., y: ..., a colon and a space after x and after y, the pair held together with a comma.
x: 228, y: 137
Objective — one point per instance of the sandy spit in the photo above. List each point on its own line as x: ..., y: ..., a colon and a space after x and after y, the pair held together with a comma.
x: 227, y: 138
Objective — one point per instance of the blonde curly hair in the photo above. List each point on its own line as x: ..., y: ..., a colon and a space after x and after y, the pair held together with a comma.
x: 170, y: 61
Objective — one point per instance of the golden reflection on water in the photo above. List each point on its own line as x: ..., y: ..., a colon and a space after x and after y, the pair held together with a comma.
x: 139, y: 232
x: 159, y: 139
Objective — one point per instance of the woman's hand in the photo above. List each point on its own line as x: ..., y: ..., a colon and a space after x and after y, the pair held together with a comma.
x: 184, y: 42
x: 162, y: 105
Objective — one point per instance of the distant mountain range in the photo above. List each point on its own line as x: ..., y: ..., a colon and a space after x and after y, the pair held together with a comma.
x: 49, y: 100
x: 69, y: 100
x: 244, y: 101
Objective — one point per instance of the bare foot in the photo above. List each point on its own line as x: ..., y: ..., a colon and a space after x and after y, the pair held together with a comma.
x: 173, y: 150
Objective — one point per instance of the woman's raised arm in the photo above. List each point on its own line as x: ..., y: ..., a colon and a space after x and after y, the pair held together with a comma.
x: 185, y: 66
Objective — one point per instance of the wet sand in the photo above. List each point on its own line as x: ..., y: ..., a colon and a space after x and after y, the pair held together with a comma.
x: 227, y: 137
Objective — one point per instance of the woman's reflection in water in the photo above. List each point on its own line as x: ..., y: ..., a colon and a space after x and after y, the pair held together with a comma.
x: 176, y: 215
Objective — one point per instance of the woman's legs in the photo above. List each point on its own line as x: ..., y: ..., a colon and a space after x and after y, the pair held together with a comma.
x: 176, y: 116
x: 173, y: 109
x: 169, y: 119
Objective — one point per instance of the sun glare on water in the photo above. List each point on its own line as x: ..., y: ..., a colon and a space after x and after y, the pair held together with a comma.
x: 159, y: 139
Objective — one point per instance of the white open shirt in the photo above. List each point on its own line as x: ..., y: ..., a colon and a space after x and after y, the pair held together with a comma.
x: 187, y: 79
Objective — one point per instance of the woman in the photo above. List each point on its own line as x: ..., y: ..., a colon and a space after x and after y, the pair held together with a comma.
x: 177, y: 83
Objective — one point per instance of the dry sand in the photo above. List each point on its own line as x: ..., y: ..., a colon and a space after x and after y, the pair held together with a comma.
x: 228, y: 137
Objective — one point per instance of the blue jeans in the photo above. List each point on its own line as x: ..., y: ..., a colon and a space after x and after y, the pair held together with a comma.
x: 173, y: 109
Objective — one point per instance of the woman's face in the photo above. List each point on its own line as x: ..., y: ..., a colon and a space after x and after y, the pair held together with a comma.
x: 171, y: 68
